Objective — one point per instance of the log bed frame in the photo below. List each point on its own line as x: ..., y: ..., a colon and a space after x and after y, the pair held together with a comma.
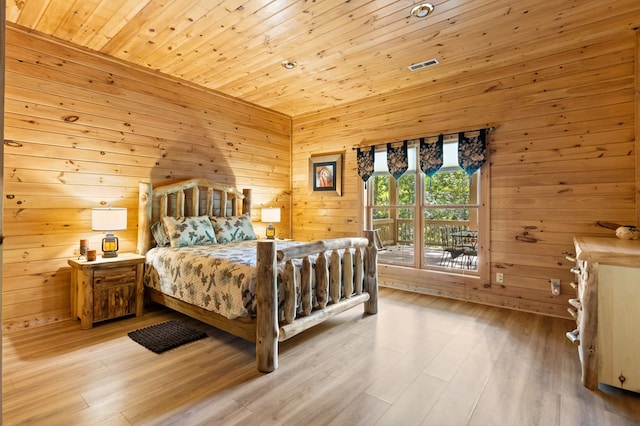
x: 342, y: 281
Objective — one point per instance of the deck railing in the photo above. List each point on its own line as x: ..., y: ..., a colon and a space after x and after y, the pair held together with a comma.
x: 402, y: 232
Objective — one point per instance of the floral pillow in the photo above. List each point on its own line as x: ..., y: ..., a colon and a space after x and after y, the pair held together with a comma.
x: 159, y: 235
x: 233, y: 228
x: 189, y: 231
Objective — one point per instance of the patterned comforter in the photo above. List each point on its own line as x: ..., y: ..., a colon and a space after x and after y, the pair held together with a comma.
x: 219, y: 278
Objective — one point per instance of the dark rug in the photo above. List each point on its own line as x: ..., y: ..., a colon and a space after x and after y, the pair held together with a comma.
x: 166, y: 335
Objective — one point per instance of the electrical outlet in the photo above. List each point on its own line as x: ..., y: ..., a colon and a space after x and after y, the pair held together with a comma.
x: 555, y: 286
x: 499, y: 278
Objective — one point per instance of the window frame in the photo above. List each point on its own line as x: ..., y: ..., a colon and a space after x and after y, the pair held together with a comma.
x: 483, y: 222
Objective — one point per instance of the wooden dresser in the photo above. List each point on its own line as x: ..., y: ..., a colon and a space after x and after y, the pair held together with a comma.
x: 607, y: 311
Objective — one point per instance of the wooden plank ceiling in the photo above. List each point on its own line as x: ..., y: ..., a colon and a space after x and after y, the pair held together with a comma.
x: 345, y: 50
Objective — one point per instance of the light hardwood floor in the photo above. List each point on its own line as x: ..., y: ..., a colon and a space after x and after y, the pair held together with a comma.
x: 421, y: 360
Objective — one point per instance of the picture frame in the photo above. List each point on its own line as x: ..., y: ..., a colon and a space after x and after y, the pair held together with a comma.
x: 325, y: 174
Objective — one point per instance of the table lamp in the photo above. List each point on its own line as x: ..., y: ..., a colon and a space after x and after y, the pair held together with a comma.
x: 271, y: 215
x: 109, y: 219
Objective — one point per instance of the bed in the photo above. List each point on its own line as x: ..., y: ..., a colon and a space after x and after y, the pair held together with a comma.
x: 264, y: 291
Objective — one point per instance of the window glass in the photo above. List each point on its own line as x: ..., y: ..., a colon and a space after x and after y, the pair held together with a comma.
x: 441, y: 212
x: 447, y: 187
x: 396, y: 230
x: 407, y: 189
x: 450, y: 157
x: 380, y: 186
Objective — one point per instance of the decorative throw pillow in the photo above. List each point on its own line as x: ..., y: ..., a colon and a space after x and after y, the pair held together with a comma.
x: 233, y: 228
x: 189, y: 231
x: 159, y: 235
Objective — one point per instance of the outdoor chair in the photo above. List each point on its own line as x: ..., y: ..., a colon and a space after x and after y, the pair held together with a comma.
x: 451, y: 250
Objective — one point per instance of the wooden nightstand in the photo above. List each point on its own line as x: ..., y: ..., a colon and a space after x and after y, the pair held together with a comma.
x: 106, y: 288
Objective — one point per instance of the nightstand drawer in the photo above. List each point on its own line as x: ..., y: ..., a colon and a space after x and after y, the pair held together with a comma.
x: 109, y: 277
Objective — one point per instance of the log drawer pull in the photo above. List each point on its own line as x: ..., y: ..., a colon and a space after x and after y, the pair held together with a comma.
x: 576, y: 270
x: 570, y: 258
x: 574, y: 285
x: 573, y: 313
x: 575, y: 303
x: 117, y: 277
x: 573, y: 337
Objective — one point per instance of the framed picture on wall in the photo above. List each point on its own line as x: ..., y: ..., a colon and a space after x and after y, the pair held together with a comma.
x: 325, y: 174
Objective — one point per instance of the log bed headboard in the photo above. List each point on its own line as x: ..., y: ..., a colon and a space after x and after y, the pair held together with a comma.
x: 184, y: 199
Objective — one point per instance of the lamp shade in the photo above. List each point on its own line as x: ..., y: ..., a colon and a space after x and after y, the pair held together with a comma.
x: 108, y: 219
x: 270, y: 214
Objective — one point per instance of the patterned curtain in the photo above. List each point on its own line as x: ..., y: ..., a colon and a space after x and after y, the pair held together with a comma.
x: 431, y: 157
x: 397, y: 160
x: 472, y: 152
x: 366, y: 161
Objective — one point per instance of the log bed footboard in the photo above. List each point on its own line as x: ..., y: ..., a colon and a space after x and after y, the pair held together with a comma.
x: 343, y: 282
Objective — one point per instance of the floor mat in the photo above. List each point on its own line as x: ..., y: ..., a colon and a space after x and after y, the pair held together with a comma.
x: 166, y: 335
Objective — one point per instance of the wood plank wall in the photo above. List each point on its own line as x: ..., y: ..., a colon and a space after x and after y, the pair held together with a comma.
x: 637, y: 78
x: 82, y: 131
x: 2, y: 61
x: 562, y: 157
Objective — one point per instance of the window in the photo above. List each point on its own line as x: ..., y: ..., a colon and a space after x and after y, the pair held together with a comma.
x: 442, y: 212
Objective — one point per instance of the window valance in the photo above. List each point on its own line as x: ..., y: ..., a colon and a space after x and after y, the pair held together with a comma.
x: 472, y: 154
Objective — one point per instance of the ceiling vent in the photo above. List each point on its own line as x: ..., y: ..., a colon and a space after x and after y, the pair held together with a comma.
x: 424, y: 64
